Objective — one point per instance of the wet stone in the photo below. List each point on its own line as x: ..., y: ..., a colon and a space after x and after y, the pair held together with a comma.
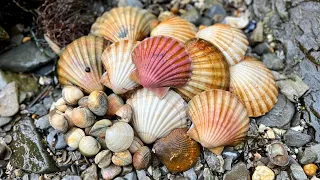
x: 293, y: 87
x: 262, y: 48
x: 283, y: 176
x: 90, y: 173
x: 4, y: 120
x: 191, y: 174
x: 38, y: 109
x: 216, y: 12
x: 316, y: 150
x: 238, y: 172
x: 192, y: 15
x: 29, y: 153
x: 296, y: 138
x: 9, y: 103
x: 297, y: 172
x: 56, y: 139
x: 72, y: 178
x: 273, y: 62
x: 307, y: 156
x: 43, y: 122
x: 131, y: 176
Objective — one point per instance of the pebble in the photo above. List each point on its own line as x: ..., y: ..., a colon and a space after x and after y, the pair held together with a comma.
x: 205, y: 21
x: 131, y: 176
x: 4, y: 120
x: 118, y: 178
x: 38, y: 109
x: 283, y: 175
x: 72, y: 178
x: 142, y: 174
x: 273, y: 62
x: 191, y: 174
x: 238, y: 172
x: 263, y: 173
x: 9, y: 104
x: 7, y: 139
x: 90, y: 173
x: 133, y: 3
x: 310, y: 169
x: 216, y: 12
x: 156, y: 174
x: 237, y: 22
x: 164, y: 170
x: 207, y: 174
x: 262, y: 48
x: 126, y: 170
x: 316, y: 150
x: 212, y: 160
x: 293, y: 87
x: 228, y: 163
x: 307, y: 156
x: 297, y: 172
x: 59, y: 140
x: 192, y: 15
x: 103, y: 158
x: 16, y: 39
x: 296, y: 138
x: 43, y: 122
x: 111, y: 171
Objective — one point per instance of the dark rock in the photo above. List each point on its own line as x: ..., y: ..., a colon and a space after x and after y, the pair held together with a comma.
x: 23, y: 58
x: 296, y: 138
x: 281, y: 114
x: 29, y: 153
x: 216, y: 12
x: 283, y: 176
x: 38, y: 109
x: 56, y: 139
x: 9, y: 103
x: 273, y: 62
x: 316, y: 150
x: 16, y: 39
x: 192, y: 14
x: 90, y: 173
x: 297, y: 172
x: 262, y: 48
x: 308, y: 156
x: 4, y: 120
x: 238, y: 172
x: 43, y: 122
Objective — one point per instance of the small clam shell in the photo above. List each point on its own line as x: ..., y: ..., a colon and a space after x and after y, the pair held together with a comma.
x: 115, y: 103
x: 58, y: 121
x: 71, y: 94
x: 142, y: 158
x: 136, y: 144
x: 119, y: 136
x: 100, y: 127
x: 110, y: 172
x: 89, y: 146
x: 83, y: 102
x: 125, y: 113
x: 177, y: 151
x: 102, y: 142
x: 278, y: 154
x: 97, y: 103
x: 73, y: 137
x: 103, y: 158
x: 82, y: 117
x: 68, y: 115
x: 61, y: 105
x: 122, y: 158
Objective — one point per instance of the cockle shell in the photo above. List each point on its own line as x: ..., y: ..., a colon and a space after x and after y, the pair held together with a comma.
x: 124, y: 23
x: 125, y: 113
x: 255, y: 86
x: 58, y: 121
x: 153, y: 117
x: 103, y: 158
x: 99, y: 128
x: 175, y: 27
x: 231, y: 41
x: 61, y: 105
x: 83, y: 102
x: 142, y: 158
x: 219, y: 119
x: 209, y: 69
x: 71, y: 95
x: 82, y: 117
x: 136, y: 144
x: 161, y: 62
x: 122, y: 158
x: 97, y: 103
x: 73, y: 137
x: 119, y: 136
x: 118, y: 64
x: 68, y: 116
x: 89, y: 146
x: 80, y: 63
x: 115, y: 103
x: 177, y: 151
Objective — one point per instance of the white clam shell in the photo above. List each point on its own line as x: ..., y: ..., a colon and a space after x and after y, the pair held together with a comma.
x: 97, y: 103
x: 119, y: 136
x: 58, y: 121
x: 73, y: 137
x: 89, y: 146
x: 71, y: 94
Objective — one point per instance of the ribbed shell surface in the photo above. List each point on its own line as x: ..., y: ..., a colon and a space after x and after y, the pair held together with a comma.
x: 255, y: 86
x: 162, y: 62
x: 231, y: 41
x: 80, y: 63
x: 153, y: 117
x: 219, y: 119
x: 209, y: 69
x: 118, y: 64
x: 124, y: 23
x: 175, y: 27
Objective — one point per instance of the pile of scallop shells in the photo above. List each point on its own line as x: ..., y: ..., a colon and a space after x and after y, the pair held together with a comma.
x: 163, y: 72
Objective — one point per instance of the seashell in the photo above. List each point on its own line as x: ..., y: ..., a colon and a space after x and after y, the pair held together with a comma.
x: 177, y: 151
x: 122, y: 158
x: 219, y: 119
x: 136, y: 144
x: 103, y: 158
x: 111, y: 171
x: 277, y: 154
x: 100, y: 127
x: 126, y: 170
x: 115, y: 103
x: 68, y: 115
x: 231, y: 41
x: 119, y: 136
x: 161, y: 62
x: 154, y: 118
x: 102, y: 142
x: 97, y: 103
x: 175, y: 27
x: 263, y: 173
x: 73, y: 137
x: 80, y: 63
x: 124, y: 23
x: 125, y: 113
x: 83, y: 102
x: 82, y: 117
x: 142, y: 158
x: 118, y: 64
x: 253, y: 83
x: 165, y: 15
x: 310, y: 169
x: 209, y: 69
x: 71, y: 95
x: 89, y: 146
x: 61, y: 105
x: 58, y: 121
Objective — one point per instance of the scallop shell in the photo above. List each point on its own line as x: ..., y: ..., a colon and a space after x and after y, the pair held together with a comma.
x: 97, y: 103
x: 80, y: 63
x: 161, y: 62
x: 142, y: 158
x: 175, y: 27
x: 89, y: 146
x: 124, y: 23
x: 115, y: 103
x: 253, y: 83
x: 209, y: 69
x: 122, y: 158
x: 154, y: 118
x: 82, y: 117
x: 119, y: 137
x: 73, y: 137
x: 231, y: 41
x: 219, y: 119
x: 118, y: 64
x: 58, y: 121
x: 177, y: 151
x: 71, y: 95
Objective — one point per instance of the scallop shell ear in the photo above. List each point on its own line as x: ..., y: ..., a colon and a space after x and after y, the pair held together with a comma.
x: 124, y: 23
x: 118, y: 64
x: 219, y: 119
x: 209, y: 69
x: 231, y: 41
x: 80, y: 63
x: 254, y: 85
x: 175, y: 27
x: 153, y: 117
x: 161, y: 62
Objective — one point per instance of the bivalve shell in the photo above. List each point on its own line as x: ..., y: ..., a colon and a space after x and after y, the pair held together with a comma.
x: 124, y: 23
x: 209, y: 69
x: 110, y: 172
x: 61, y: 105
x: 119, y: 136
x: 154, y: 118
x: 115, y: 103
x: 83, y: 102
x: 125, y: 113
x: 142, y: 158
x: 161, y: 62
x: 175, y: 27
x: 89, y: 146
x: 136, y: 144
x: 219, y: 119
x: 73, y: 137
x: 118, y: 64
x: 103, y: 158
x: 231, y: 41
x: 122, y: 158
x: 71, y: 94
x: 277, y: 154
x: 58, y: 121
x: 177, y: 151
x: 98, y: 103
x: 82, y: 117
x: 99, y: 128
